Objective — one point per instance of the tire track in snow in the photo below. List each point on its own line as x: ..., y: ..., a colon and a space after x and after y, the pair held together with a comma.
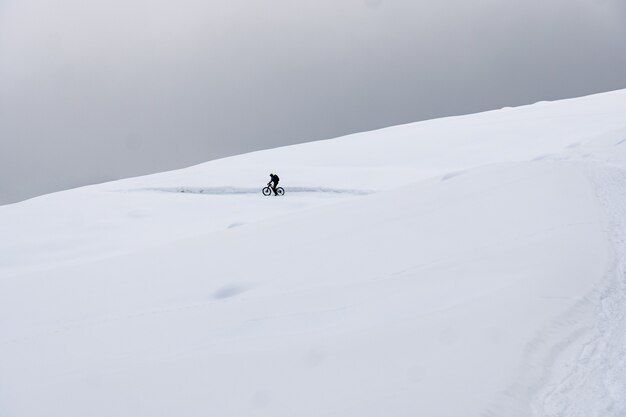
x: 576, y: 365
x: 230, y: 190
x: 595, y: 385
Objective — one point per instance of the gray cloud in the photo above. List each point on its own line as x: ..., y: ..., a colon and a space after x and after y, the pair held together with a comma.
x: 97, y: 90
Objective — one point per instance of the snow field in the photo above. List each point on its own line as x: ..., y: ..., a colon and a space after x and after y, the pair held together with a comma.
x: 466, y: 266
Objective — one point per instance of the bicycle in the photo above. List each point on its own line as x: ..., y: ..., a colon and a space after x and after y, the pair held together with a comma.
x: 268, y: 191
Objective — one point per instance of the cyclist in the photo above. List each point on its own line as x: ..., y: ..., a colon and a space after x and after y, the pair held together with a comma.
x: 274, y: 181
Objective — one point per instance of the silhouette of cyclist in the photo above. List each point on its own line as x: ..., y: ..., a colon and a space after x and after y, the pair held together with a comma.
x: 274, y: 181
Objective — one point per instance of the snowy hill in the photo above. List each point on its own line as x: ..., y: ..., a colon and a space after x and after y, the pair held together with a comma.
x: 460, y: 267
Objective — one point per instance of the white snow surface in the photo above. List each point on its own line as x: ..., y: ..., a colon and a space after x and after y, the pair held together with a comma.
x: 460, y: 267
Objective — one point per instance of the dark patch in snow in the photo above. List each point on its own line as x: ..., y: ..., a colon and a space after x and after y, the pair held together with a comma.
x: 452, y: 174
x: 235, y: 224
x: 228, y: 291
x: 573, y: 145
x: 620, y: 142
x: 314, y: 357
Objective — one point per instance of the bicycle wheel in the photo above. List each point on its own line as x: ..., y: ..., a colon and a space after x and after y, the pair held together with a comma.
x: 280, y: 191
x: 267, y: 191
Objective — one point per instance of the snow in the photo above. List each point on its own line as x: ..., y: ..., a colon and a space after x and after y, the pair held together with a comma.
x: 467, y: 266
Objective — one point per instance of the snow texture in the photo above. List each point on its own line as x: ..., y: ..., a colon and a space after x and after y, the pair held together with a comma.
x: 468, y: 266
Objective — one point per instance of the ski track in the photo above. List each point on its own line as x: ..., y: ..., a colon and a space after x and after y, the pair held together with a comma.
x: 575, y: 366
x: 594, y: 385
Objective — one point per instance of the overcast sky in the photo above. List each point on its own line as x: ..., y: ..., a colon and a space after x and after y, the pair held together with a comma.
x: 94, y: 90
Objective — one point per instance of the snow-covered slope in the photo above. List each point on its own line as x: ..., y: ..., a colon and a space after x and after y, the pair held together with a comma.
x: 468, y: 266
